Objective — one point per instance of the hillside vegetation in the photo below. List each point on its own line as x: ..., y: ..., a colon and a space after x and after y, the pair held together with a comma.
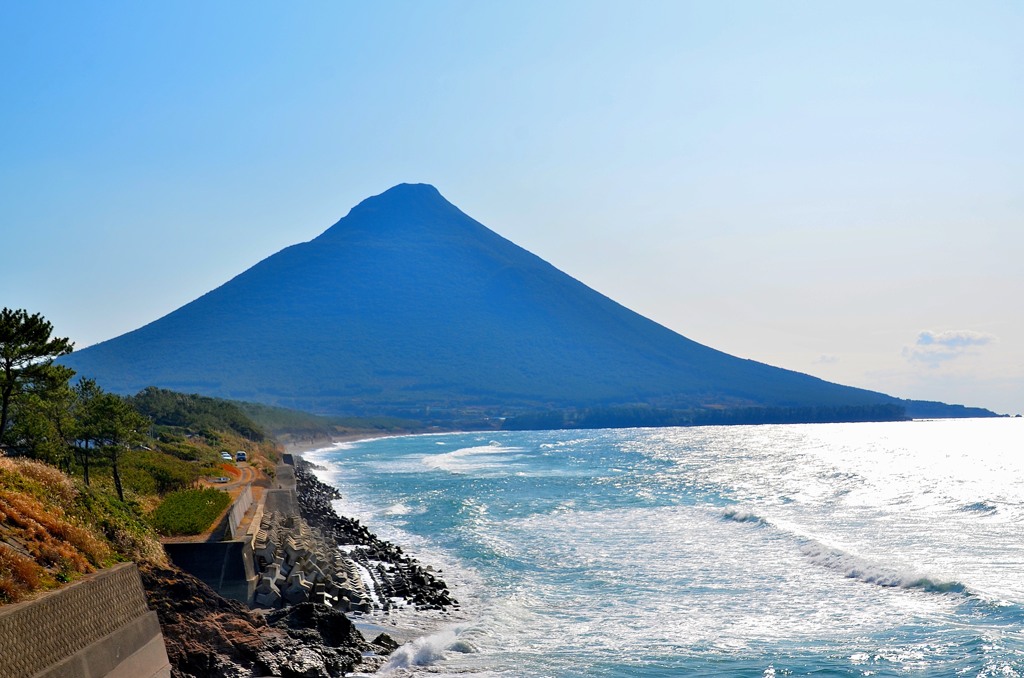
x: 287, y: 425
x: 87, y: 477
x: 54, y: 526
x: 196, y: 414
x: 130, y: 468
x: 53, y: 529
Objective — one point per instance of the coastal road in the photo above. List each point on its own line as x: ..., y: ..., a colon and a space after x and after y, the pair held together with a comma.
x: 247, y: 474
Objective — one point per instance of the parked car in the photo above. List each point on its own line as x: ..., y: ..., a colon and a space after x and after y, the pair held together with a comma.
x: 240, y: 456
x: 221, y: 479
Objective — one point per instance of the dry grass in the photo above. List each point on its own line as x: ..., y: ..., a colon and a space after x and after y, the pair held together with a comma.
x: 51, y: 535
x: 59, y: 488
x: 19, y: 575
x: 52, y: 538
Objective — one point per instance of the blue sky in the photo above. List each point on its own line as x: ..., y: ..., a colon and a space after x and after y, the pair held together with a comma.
x: 832, y: 188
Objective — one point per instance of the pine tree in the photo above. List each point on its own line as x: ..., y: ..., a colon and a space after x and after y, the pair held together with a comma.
x: 27, y: 351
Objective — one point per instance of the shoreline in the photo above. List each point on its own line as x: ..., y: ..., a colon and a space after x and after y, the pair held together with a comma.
x: 300, y: 447
x: 399, y: 579
x: 405, y: 624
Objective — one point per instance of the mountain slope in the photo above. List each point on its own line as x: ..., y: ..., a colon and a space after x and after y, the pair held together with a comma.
x: 407, y: 303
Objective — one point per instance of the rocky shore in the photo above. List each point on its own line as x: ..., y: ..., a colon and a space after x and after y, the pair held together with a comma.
x: 209, y: 636
x: 397, y: 578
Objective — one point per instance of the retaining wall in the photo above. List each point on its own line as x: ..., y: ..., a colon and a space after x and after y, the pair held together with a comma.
x: 238, y: 510
x: 225, y: 566
x: 97, y: 627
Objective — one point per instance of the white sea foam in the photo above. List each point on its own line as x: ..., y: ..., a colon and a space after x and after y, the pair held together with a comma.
x: 474, y: 459
x: 364, y: 574
x: 400, y: 509
x: 319, y: 453
x: 426, y: 651
x: 562, y: 443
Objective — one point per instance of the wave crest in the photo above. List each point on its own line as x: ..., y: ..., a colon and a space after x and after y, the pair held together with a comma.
x: 855, y: 567
x: 400, y: 509
x: 737, y: 515
x: 982, y: 507
x: 471, y: 459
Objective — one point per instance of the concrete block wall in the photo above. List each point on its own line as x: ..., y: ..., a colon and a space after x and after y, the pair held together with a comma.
x: 97, y: 627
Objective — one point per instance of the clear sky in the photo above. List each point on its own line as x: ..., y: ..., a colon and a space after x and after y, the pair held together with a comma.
x: 834, y: 188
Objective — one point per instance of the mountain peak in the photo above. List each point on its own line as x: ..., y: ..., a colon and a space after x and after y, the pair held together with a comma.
x: 405, y: 196
x: 405, y: 190
x: 404, y: 207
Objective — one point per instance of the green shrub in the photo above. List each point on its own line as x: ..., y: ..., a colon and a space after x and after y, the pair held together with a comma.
x: 189, y: 511
x: 151, y: 472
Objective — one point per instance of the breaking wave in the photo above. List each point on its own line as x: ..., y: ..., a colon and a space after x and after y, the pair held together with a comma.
x: 400, y: 509
x: 852, y: 566
x: 737, y: 515
x: 855, y: 567
x: 425, y: 651
x: 473, y: 459
x: 982, y: 507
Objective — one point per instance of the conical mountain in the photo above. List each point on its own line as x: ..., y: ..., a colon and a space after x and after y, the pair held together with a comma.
x: 407, y: 304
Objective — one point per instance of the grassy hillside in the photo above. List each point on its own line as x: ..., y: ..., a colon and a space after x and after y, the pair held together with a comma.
x: 57, y: 525
x: 177, y: 458
x: 54, y: 527
x: 196, y: 414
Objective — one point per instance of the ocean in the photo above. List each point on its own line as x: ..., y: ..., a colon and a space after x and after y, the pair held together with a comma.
x: 878, y: 549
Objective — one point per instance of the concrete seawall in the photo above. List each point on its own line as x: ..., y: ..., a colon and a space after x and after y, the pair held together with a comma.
x: 224, y: 566
x: 97, y: 627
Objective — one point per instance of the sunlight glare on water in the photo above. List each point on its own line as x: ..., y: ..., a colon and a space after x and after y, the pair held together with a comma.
x: 841, y: 549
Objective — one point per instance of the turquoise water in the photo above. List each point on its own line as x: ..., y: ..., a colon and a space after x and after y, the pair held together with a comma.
x: 888, y: 549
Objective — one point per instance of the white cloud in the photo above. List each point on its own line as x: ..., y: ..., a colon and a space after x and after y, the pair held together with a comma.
x: 935, y: 348
x: 827, y: 359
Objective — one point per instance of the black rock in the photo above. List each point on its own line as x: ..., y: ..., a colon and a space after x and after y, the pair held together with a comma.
x: 423, y: 587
